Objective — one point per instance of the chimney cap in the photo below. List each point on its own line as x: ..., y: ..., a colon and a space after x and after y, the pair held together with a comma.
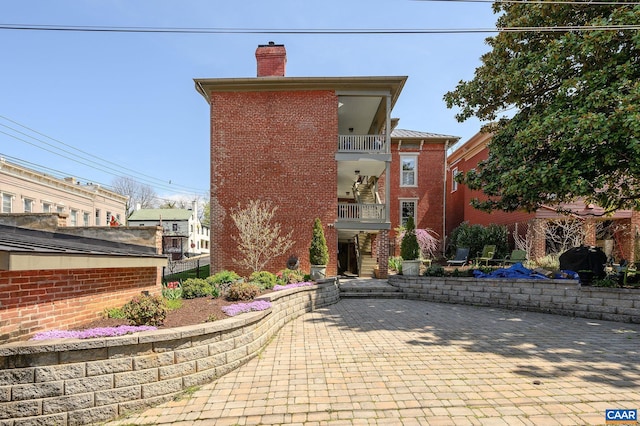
x: 271, y: 44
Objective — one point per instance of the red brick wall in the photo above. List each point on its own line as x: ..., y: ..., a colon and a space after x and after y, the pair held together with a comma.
x: 429, y: 192
x: 32, y: 301
x: 278, y: 147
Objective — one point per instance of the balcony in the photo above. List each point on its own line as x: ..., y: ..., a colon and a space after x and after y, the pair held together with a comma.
x: 361, y: 213
x: 372, y: 144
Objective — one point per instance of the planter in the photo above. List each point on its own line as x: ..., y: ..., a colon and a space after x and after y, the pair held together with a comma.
x: 585, y: 277
x: 411, y: 267
x: 318, y: 272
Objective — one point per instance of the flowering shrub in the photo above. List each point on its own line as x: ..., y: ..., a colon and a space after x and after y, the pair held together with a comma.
x: 242, y: 291
x: 240, y: 308
x: 172, y: 290
x: 92, y: 332
x: 427, y: 241
x: 293, y: 285
x: 145, y: 310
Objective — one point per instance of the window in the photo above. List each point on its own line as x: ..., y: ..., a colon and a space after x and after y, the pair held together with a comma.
x: 108, y: 218
x: 6, y: 203
x: 46, y: 207
x: 407, y: 209
x: 98, y: 217
x: 85, y: 219
x: 27, y: 205
x: 409, y: 170
x: 60, y: 209
x: 174, y: 227
x: 454, y: 183
x: 73, y: 216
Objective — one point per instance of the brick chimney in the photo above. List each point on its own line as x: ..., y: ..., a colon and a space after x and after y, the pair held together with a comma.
x: 272, y: 60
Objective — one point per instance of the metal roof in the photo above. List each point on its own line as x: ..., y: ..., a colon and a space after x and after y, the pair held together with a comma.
x: 158, y: 214
x: 15, y: 239
x: 413, y: 134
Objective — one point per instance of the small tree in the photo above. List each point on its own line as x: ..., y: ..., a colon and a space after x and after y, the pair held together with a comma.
x: 318, y: 251
x: 258, y: 239
x: 409, y: 248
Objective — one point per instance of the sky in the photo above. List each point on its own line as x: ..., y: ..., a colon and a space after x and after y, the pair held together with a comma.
x: 99, y: 105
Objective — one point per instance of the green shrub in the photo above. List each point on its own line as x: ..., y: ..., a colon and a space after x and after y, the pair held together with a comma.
x: 242, y: 291
x: 145, y: 310
x: 263, y: 279
x: 435, y: 270
x: 318, y: 250
x: 173, y: 304
x: 225, y: 277
x: 196, y: 287
x: 395, y: 263
x: 215, y: 288
x: 290, y: 276
x: 476, y: 237
x: 409, y: 247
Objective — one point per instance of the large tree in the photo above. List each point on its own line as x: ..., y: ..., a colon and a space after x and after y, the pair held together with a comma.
x: 138, y: 193
x: 575, y: 99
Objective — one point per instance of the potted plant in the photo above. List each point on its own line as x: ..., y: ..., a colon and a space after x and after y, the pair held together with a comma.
x: 318, y: 252
x: 410, y: 250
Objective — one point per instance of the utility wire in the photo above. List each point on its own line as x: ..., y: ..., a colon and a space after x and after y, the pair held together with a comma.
x: 319, y: 31
x: 97, y: 166
x: 83, y: 152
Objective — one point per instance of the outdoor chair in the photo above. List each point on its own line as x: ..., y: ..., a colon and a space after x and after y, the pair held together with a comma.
x: 462, y: 257
x: 516, y: 256
x: 487, y: 254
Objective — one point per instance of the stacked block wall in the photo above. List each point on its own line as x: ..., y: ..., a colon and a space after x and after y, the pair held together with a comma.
x: 77, y: 382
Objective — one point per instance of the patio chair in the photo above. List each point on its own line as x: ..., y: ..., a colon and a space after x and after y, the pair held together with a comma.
x: 462, y: 257
x: 487, y: 254
x: 516, y: 256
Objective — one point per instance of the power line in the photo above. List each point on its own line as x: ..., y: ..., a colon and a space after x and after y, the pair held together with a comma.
x: 159, y: 183
x: 320, y: 31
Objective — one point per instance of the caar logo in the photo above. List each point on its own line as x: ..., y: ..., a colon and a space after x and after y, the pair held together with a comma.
x: 621, y: 417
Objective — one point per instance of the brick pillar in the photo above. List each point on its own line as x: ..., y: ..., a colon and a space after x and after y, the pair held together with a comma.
x: 537, y: 236
x: 589, y: 232
x: 383, y: 254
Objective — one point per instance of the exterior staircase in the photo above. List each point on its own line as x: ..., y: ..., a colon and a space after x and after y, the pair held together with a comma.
x: 367, y: 262
x: 369, y: 288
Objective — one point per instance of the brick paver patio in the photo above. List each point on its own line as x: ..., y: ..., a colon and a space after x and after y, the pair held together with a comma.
x: 406, y: 362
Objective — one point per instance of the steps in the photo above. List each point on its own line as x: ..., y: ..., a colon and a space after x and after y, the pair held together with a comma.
x: 369, y: 288
x: 367, y: 261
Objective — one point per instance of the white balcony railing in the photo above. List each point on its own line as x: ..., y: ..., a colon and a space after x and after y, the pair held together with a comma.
x: 353, y: 212
x: 362, y: 143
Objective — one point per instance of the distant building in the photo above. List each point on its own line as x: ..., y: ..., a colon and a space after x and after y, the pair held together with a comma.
x: 23, y: 190
x: 182, y: 232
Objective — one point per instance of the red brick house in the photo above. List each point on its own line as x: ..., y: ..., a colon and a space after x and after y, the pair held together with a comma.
x: 314, y: 147
x: 615, y: 233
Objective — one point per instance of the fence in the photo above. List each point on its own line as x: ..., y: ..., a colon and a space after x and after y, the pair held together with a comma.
x: 175, y: 267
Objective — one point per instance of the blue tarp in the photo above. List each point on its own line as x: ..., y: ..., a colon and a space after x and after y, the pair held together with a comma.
x: 517, y: 270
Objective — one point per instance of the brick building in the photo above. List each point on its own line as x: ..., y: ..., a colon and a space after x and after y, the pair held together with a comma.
x: 614, y: 233
x: 313, y: 147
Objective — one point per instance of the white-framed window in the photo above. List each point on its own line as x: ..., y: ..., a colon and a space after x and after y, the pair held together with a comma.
x: 46, y: 207
x: 174, y: 227
x: 73, y: 217
x: 7, y: 201
x: 85, y: 218
x: 108, y: 218
x: 454, y: 183
x: 60, y: 209
x: 27, y: 205
x: 98, y: 217
x: 408, y: 208
x: 408, y: 170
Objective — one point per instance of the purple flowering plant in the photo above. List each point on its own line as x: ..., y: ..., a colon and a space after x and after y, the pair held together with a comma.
x: 240, y: 308
x: 293, y: 285
x: 91, y: 332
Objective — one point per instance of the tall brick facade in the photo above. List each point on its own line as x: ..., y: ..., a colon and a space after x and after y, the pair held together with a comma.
x: 275, y: 146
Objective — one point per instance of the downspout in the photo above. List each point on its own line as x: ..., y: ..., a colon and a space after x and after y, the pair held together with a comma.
x: 444, y: 200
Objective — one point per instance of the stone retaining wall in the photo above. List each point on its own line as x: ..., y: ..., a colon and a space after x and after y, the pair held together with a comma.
x: 78, y: 382
x: 562, y: 297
